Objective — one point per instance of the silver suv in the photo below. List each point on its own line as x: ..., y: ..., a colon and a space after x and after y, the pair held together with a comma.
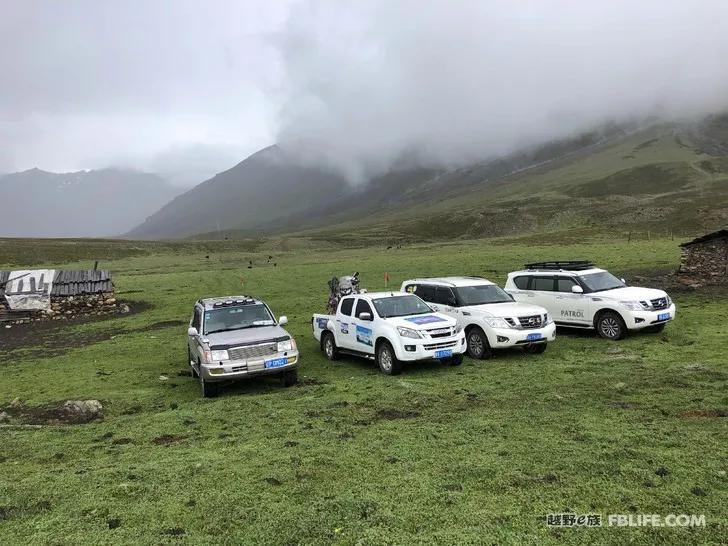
x: 235, y: 337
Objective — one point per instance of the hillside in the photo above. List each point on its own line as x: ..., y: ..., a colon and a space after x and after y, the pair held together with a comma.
x: 80, y: 204
x: 662, y: 178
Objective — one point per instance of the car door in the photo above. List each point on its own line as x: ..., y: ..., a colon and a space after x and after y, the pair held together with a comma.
x: 344, y: 329
x: 362, y: 330
x: 543, y: 290
x: 572, y: 307
x: 445, y: 302
x: 521, y: 291
x: 196, y: 323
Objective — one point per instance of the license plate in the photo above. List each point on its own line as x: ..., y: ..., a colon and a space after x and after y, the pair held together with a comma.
x: 276, y: 363
x: 445, y: 353
x: 663, y: 316
x: 533, y: 337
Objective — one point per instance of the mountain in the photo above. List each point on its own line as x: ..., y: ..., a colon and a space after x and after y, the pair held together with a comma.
x: 650, y: 177
x: 264, y: 189
x: 92, y: 203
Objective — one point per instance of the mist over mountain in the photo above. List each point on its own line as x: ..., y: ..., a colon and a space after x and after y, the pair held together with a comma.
x: 97, y: 203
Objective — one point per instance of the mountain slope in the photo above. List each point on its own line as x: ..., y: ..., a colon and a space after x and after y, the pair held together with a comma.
x: 81, y: 204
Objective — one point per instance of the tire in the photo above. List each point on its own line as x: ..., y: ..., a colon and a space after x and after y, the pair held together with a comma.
x: 207, y: 389
x: 387, y: 359
x: 454, y: 360
x: 289, y: 379
x: 656, y: 329
x: 478, y: 346
x: 535, y: 348
x: 328, y: 346
x: 189, y: 363
x: 610, y: 325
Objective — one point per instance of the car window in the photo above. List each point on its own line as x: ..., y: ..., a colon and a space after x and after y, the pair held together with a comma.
x: 522, y: 282
x: 426, y: 292
x: 482, y: 294
x: 444, y: 296
x: 564, y: 284
x: 347, y: 304
x: 401, y: 306
x: 362, y: 306
x: 224, y: 319
x: 545, y: 284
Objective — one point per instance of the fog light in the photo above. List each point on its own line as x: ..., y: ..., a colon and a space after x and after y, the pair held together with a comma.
x: 410, y: 348
x: 502, y: 339
x: 217, y: 371
x: 638, y: 320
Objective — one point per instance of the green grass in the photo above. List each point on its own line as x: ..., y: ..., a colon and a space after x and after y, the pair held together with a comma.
x: 477, y: 454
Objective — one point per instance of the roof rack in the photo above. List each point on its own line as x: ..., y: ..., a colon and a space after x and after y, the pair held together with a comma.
x: 575, y: 265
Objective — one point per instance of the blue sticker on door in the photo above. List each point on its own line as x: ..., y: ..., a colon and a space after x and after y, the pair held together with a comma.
x: 364, y: 335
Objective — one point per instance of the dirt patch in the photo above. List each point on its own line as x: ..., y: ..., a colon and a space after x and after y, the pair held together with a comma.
x: 168, y: 439
x: 68, y: 412
x: 52, y: 338
x: 392, y: 414
x: 161, y: 325
x: 711, y: 414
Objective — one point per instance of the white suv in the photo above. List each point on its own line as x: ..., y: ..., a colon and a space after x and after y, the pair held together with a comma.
x: 489, y: 316
x: 578, y: 294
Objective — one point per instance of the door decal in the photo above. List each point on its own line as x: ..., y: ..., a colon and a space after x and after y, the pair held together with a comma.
x: 364, y: 335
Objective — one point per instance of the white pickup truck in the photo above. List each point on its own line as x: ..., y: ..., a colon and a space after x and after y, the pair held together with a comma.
x: 391, y: 328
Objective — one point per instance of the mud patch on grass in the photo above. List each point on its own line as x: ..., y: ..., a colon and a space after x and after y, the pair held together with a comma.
x: 161, y: 325
x: 67, y: 412
x: 392, y: 414
x: 168, y: 439
x: 710, y: 413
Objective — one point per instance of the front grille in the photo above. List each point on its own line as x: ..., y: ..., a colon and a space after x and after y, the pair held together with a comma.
x: 530, y: 322
x: 242, y: 368
x: 445, y: 345
x: 253, y: 351
x: 440, y: 332
x: 659, y: 303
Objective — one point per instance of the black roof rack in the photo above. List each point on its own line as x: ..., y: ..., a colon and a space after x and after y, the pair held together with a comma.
x: 574, y: 265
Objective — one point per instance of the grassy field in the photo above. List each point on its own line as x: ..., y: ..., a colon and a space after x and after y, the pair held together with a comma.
x: 472, y: 455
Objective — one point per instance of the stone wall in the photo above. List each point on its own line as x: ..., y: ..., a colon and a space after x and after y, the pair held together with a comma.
x: 705, y: 263
x: 68, y: 307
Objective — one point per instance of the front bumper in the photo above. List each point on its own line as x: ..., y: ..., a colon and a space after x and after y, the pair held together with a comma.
x: 426, y: 349
x: 252, y: 367
x: 501, y: 338
x: 636, y: 320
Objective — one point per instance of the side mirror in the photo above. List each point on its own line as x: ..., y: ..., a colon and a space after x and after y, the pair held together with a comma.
x: 365, y: 316
x: 283, y: 320
x: 623, y: 281
x: 576, y: 289
x: 191, y: 331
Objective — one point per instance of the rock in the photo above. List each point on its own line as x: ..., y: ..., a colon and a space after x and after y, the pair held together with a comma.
x: 4, y: 417
x: 110, y: 301
x: 163, y: 378
x: 16, y: 403
x: 125, y: 308
x: 8, y: 326
x: 87, y: 408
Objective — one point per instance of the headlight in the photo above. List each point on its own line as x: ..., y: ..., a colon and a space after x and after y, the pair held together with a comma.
x: 287, y: 345
x: 216, y: 356
x: 497, y: 322
x: 669, y: 301
x: 408, y: 332
x: 546, y: 319
x: 633, y: 305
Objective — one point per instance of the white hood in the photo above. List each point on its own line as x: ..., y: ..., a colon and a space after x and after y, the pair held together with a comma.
x: 630, y: 293
x: 428, y: 321
x: 504, y: 310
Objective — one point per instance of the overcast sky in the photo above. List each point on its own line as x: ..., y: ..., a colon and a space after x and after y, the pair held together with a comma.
x: 189, y: 88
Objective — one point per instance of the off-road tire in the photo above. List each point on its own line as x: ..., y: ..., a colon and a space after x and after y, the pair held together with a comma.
x: 328, y: 346
x: 289, y: 379
x: 535, y: 348
x: 454, y: 360
x: 478, y: 346
x: 207, y: 389
x: 610, y: 325
x: 387, y: 359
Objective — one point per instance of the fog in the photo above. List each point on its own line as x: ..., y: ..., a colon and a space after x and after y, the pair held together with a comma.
x: 189, y: 88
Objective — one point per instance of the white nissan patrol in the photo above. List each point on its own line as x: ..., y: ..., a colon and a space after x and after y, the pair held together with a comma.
x: 578, y: 294
x: 489, y: 315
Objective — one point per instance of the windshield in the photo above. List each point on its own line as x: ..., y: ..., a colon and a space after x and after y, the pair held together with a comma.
x: 236, y: 318
x: 598, y: 282
x: 482, y: 294
x: 400, y: 306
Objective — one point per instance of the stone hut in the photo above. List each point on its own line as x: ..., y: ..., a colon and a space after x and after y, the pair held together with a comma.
x: 44, y: 294
x: 705, y: 260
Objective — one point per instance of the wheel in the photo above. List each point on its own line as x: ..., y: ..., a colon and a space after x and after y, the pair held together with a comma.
x: 189, y: 363
x: 208, y: 390
x: 387, y: 359
x: 656, y: 329
x: 478, y: 346
x: 454, y: 360
x: 328, y: 345
x: 610, y: 325
x: 289, y: 379
x: 535, y: 348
